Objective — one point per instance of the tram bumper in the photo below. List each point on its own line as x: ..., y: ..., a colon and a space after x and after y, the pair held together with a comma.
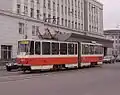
x: 25, y: 67
x: 24, y: 64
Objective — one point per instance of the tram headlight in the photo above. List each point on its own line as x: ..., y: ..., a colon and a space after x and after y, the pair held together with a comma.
x: 23, y: 61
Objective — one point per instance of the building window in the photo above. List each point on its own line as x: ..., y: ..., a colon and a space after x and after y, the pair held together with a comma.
x: 44, y: 3
x: 33, y: 31
x: 26, y: 2
x: 18, y: 1
x: 32, y: 3
x: 25, y: 10
x: 75, y: 25
x: 62, y: 9
x: 38, y: 14
x: 66, y: 23
x: 58, y: 8
x: 62, y: 1
x: 82, y: 26
x: 32, y: 12
x: 58, y: 20
x: 66, y: 10
x: 69, y: 23
x: 69, y: 2
x: 49, y: 4
x: 62, y: 20
x: 54, y: 20
x: 49, y: 18
x: 75, y: 3
x: 69, y: 11
x: 44, y: 17
x: 72, y: 2
x: 18, y: 9
x: 90, y: 28
x: 72, y: 12
x: 53, y: 6
x: 79, y: 4
x: 76, y: 13
x: 79, y: 26
x: 21, y: 28
x: 6, y: 52
x: 72, y: 24
x: 81, y: 15
x: 37, y: 30
x: 38, y: 1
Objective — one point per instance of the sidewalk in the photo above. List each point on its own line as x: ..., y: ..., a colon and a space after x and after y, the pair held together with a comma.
x: 2, y: 68
x: 2, y: 65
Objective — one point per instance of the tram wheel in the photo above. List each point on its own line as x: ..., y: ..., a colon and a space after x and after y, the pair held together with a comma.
x: 55, y: 67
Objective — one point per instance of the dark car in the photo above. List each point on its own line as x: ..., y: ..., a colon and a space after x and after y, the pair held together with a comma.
x: 12, y: 65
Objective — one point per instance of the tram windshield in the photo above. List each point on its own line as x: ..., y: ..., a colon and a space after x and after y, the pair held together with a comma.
x: 23, y: 47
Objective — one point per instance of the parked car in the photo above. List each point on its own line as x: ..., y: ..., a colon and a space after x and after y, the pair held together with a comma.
x: 108, y: 59
x: 118, y: 59
x: 12, y: 65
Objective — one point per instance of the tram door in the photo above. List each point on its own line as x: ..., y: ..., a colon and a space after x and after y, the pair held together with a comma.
x: 105, y: 51
x: 79, y: 54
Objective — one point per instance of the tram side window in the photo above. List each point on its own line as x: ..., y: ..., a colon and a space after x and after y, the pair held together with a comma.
x: 86, y: 49
x: 32, y: 48
x: 76, y: 49
x: 45, y: 48
x: 63, y: 48
x: 83, y: 49
x: 97, y: 50
x: 101, y: 50
x: 37, y: 48
x: 71, y: 49
x: 55, y: 48
x: 91, y: 49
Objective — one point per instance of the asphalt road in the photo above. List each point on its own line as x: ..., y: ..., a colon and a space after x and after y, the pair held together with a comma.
x: 90, y: 81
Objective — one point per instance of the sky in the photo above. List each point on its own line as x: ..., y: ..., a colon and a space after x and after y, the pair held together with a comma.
x: 111, y: 14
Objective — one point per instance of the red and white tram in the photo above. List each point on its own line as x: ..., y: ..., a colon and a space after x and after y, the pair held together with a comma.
x: 48, y: 54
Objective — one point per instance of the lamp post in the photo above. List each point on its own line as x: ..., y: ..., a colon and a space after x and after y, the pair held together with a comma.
x: 25, y: 26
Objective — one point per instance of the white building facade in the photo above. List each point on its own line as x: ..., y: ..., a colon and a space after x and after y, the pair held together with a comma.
x: 26, y: 18
x: 115, y: 36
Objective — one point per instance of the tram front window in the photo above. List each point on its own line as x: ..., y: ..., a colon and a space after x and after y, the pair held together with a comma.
x: 23, y: 47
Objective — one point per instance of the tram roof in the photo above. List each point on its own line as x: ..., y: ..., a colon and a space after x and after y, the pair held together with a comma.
x: 47, y: 40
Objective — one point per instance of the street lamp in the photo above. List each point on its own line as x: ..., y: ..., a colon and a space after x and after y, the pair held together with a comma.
x: 25, y: 26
